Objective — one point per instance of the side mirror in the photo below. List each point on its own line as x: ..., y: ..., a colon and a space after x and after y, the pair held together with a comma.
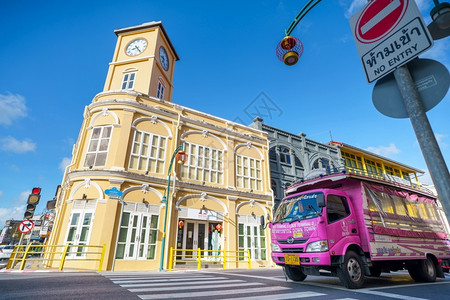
x: 321, y: 200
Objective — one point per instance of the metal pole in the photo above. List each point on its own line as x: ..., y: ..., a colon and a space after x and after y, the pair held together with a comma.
x: 425, y: 136
x: 167, y: 200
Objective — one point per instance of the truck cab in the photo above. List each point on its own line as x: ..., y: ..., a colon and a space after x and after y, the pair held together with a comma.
x: 307, y: 228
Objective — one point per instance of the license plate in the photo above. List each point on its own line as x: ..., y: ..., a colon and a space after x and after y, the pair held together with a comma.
x: 291, y: 259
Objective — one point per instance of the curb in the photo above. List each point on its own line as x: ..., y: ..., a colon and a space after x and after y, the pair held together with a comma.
x: 45, y: 271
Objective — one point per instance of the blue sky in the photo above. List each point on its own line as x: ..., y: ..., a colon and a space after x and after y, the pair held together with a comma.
x: 54, y: 58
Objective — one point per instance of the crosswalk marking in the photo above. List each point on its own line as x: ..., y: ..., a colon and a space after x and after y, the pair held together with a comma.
x: 281, y: 296
x: 196, y: 287
x: 194, y: 295
x: 180, y: 285
x: 146, y: 280
x: 113, y: 278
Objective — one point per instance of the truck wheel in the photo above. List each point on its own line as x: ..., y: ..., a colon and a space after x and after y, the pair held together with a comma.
x: 351, y: 273
x: 294, y: 274
x: 424, y: 271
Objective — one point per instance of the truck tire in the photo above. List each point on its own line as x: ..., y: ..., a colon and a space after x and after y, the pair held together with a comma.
x: 294, y: 274
x: 424, y: 271
x: 351, y: 272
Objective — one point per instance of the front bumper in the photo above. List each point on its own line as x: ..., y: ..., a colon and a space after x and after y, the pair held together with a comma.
x: 307, y: 259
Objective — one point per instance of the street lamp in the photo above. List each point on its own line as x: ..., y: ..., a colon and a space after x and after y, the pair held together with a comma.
x: 290, y: 48
x: 440, y: 26
x: 181, y: 157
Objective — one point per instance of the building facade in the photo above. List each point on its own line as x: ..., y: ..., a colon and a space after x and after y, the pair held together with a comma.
x: 364, y: 162
x: 293, y: 156
x: 130, y: 133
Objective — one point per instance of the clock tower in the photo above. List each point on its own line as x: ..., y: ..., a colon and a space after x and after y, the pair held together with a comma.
x: 143, y: 61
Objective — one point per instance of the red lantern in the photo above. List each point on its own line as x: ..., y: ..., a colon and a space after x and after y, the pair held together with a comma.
x: 181, y: 157
x: 289, y: 50
x: 219, y: 227
x: 180, y: 224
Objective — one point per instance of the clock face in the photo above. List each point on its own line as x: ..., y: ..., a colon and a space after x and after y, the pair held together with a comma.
x: 163, y: 58
x: 136, y: 47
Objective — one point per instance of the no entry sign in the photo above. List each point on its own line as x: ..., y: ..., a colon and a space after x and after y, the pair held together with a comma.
x: 388, y: 34
x: 378, y: 19
x: 26, y: 226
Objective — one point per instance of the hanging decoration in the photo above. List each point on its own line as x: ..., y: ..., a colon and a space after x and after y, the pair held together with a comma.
x: 289, y: 50
x: 181, y: 157
x: 180, y: 224
x: 219, y: 227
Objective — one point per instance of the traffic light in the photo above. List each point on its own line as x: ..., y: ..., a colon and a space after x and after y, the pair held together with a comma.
x: 33, y: 200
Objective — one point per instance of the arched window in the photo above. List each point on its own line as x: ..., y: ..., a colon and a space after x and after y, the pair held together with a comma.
x: 285, y: 155
x: 274, y: 187
x: 272, y: 154
x: 323, y: 163
x: 297, y: 161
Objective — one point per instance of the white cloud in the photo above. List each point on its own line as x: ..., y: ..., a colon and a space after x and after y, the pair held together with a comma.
x: 384, y: 150
x: 440, y: 139
x: 21, y: 200
x: 17, y: 209
x: 439, y: 51
x: 354, y: 7
x: 426, y: 178
x: 11, y: 144
x: 64, y: 163
x: 12, y: 107
x: 9, y: 213
x: 423, y: 6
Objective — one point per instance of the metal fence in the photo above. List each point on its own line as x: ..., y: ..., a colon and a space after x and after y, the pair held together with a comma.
x: 47, y: 254
x: 200, y: 256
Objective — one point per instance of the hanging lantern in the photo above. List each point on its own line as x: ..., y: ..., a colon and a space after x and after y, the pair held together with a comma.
x: 219, y: 227
x: 180, y: 224
x: 181, y: 157
x: 289, y: 50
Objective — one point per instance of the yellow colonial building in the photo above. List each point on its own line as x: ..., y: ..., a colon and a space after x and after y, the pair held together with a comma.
x: 115, y: 191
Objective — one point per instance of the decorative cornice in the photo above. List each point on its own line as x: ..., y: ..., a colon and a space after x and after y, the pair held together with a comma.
x: 143, y: 179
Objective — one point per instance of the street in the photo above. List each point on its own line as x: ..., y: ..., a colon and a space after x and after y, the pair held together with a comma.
x: 255, y: 284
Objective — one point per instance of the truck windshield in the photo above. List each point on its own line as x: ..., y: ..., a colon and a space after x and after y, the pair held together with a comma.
x: 298, y: 208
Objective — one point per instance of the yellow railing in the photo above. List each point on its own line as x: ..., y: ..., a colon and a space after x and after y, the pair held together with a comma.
x: 61, y: 253
x: 208, y: 256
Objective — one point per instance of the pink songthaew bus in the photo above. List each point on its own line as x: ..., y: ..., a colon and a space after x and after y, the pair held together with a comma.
x: 353, y: 226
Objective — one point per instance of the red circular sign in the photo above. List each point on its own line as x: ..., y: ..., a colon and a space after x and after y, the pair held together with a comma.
x: 378, y: 19
x: 26, y: 226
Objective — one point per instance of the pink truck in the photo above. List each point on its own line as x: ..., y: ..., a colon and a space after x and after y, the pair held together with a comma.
x: 353, y: 226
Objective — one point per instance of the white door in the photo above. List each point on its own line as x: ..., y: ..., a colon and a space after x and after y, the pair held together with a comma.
x: 79, y: 232
x: 140, y: 235
x: 195, y: 236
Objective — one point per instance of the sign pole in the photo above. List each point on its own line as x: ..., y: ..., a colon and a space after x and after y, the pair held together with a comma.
x: 425, y: 136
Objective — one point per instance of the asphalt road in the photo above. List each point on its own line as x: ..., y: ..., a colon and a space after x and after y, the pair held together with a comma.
x: 259, y: 284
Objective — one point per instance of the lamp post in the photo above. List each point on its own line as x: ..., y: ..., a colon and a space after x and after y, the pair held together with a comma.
x: 290, y: 48
x: 181, y: 157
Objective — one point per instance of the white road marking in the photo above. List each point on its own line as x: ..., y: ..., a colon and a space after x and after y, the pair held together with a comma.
x: 281, y: 296
x: 146, y: 280
x: 195, y: 287
x: 179, y: 285
x: 194, y: 295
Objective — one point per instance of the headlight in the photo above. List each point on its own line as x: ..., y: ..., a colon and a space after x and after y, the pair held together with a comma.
x: 275, y: 248
x: 319, y: 246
